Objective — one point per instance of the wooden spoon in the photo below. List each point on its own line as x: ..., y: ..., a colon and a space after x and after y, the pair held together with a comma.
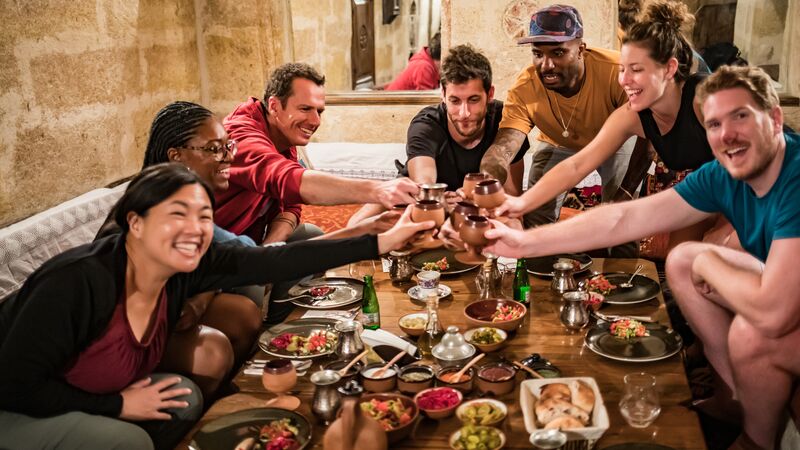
x: 460, y: 373
x: 344, y: 369
x: 527, y: 369
x: 379, y: 372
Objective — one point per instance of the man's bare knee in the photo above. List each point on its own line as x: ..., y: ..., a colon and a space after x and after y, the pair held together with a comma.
x: 745, y: 342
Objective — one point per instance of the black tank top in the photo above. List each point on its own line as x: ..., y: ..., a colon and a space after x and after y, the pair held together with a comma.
x: 685, y: 145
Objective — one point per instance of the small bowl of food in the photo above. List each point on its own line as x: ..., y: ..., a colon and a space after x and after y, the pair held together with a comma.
x: 498, y: 313
x: 482, y: 411
x: 374, y: 381
x: 351, y: 374
x: 447, y: 377
x: 594, y: 301
x: 415, y: 378
x: 486, y: 339
x: 497, y: 378
x: 439, y: 402
x: 473, y: 436
x: 396, y: 413
x: 413, y: 324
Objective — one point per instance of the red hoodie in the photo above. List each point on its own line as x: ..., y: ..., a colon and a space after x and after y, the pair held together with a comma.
x: 420, y: 74
x: 263, y: 181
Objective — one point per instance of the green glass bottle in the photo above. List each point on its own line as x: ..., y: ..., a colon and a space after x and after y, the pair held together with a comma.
x: 370, y: 308
x: 521, y: 286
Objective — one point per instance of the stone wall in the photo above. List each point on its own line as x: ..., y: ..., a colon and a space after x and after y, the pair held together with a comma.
x: 79, y: 85
x: 81, y: 81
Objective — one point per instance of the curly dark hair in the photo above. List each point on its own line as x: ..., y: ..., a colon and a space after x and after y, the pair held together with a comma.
x: 659, y: 31
x: 464, y: 63
x: 173, y: 127
x: 628, y: 10
x: 280, y: 81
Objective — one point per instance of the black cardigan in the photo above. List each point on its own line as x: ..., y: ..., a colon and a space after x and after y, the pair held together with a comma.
x: 68, y: 302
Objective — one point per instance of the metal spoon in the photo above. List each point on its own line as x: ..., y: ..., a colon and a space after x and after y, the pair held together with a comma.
x: 628, y: 284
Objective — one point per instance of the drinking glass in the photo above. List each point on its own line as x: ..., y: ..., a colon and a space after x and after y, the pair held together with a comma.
x: 640, y: 406
x: 361, y: 268
x: 278, y: 378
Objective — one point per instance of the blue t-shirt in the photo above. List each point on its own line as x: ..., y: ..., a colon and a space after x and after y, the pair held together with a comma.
x: 758, y: 221
x: 223, y: 236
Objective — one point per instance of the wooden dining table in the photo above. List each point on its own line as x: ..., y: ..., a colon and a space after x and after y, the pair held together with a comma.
x: 541, y: 332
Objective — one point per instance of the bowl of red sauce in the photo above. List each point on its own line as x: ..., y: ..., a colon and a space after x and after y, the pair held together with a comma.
x: 439, y: 402
x: 446, y: 377
x: 497, y: 378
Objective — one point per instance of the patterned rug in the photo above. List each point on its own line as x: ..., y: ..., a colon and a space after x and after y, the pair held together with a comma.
x: 329, y: 218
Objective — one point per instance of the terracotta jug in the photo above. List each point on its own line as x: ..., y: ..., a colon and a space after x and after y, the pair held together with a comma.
x: 354, y: 430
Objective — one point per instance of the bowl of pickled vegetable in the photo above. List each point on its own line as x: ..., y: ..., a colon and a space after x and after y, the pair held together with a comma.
x: 413, y: 324
x: 474, y: 437
x: 482, y: 411
x: 486, y: 339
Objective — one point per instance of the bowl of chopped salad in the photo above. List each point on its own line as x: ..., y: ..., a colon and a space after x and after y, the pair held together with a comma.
x: 627, y: 329
x: 497, y: 313
x: 396, y: 413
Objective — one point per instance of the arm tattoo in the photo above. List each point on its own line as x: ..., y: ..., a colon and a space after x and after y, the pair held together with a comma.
x: 499, y: 156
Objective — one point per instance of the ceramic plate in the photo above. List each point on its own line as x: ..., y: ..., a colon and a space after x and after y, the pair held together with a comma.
x: 662, y: 343
x: 638, y: 446
x: 543, y: 265
x: 416, y: 292
x: 302, y: 327
x: 227, y: 431
x: 643, y: 289
x: 345, y: 291
x: 435, y: 255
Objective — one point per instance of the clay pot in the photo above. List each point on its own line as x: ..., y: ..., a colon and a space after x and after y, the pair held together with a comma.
x: 460, y: 213
x: 470, y: 180
x: 472, y: 230
x: 428, y: 210
x: 489, y: 194
x: 354, y: 430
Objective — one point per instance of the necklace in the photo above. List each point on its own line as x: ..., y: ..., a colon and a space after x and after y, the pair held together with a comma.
x: 564, y: 125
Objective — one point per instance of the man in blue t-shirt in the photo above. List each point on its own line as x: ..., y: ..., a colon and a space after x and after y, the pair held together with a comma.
x: 745, y: 306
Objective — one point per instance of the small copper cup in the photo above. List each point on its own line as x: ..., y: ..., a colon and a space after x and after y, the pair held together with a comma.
x: 432, y: 191
x: 470, y: 180
x: 489, y: 194
x: 460, y: 213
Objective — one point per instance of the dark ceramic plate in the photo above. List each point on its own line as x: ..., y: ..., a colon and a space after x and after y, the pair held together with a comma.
x: 345, y: 291
x: 229, y: 430
x: 303, y: 327
x: 643, y: 289
x: 418, y: 260
x: 543, y: 265
x: 662, y: 343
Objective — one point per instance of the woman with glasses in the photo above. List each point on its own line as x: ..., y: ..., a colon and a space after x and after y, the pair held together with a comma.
x: 82, y: 341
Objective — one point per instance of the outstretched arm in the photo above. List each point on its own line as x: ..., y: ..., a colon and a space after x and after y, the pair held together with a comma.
x: 320, y: 188
x: 600, y: 227
x: 497, y: 159
x: 620, y: 126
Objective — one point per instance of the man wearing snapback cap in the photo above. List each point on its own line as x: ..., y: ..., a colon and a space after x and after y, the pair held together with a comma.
x: 568, y: 93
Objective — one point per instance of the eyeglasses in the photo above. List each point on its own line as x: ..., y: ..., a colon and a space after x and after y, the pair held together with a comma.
x: 219, y: 151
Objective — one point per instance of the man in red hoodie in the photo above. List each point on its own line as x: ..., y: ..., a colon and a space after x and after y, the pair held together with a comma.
x: 267, y: 184
x: 422, y: 71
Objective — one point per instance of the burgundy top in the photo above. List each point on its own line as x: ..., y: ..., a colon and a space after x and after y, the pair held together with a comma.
x: 116, y: 359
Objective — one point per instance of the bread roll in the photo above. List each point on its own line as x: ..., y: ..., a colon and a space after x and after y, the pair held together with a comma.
x: 584, y: 397
x: 556, y: 390
x: 550, y: 408
x: 564, y: 423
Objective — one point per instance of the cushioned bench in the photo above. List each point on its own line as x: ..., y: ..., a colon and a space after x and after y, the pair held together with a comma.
x: 25, y: 245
